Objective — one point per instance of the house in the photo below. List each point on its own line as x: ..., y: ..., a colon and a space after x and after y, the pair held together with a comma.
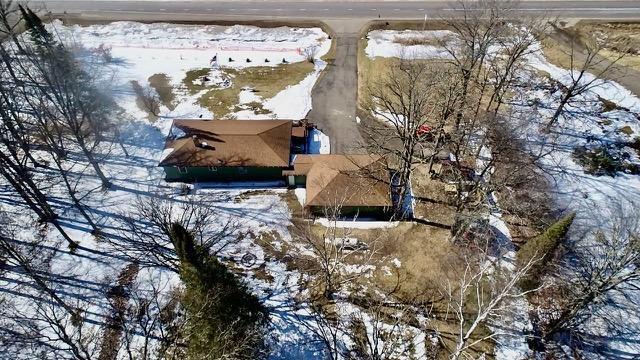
x: 356, y: 184
x: 231, y: 150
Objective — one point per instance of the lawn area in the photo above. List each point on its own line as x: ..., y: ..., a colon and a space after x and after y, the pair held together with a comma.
x: 162, y: 85
x: 266, y: 82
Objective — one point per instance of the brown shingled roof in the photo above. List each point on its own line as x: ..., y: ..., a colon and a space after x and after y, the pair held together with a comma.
x: 230, y: 143
x: 344, y: 180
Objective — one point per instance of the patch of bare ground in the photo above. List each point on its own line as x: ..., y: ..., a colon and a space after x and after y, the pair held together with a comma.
x: 247, y: 194
x: 432, y: 202
x: 145, y: 101
x: 420, y: 40
x: 624, y: 38
x: 162, y: 85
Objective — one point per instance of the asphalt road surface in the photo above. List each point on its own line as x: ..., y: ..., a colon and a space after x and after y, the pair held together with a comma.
x: 334, y: 98
x: 620, y: 9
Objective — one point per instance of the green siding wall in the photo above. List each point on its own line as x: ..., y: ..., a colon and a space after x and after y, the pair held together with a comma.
x: 300, y: 180
x: 223, y: 174
x: 378, y: 212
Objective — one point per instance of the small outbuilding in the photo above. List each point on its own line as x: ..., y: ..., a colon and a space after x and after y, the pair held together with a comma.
x: 358, y: 185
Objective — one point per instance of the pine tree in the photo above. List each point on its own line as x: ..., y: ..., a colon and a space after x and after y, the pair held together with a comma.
x: 38, y: 32
x: 543, y: 248
x: 224, y: 319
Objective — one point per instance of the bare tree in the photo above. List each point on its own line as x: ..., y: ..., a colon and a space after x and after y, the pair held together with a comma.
x: 151, y: 322
x: 413, y: 99
x: 58, y: 86
x: 333, y: 249
x: 383, y: 331
x: 484, y: 291
x: 588, y: 69
x: 481, y: 25
x: 146, y: 238
x: 48, y: 321
x: 310, y: 53
x: 147, y: 98
x: 39, y: 108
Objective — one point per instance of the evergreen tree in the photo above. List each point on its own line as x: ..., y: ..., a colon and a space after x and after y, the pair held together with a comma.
x: 38, y: 32
x: 542, y: 249
x: 223, y: 318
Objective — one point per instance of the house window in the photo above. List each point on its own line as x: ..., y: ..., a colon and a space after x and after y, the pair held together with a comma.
x: 213, y: 168
x: 182, y: 169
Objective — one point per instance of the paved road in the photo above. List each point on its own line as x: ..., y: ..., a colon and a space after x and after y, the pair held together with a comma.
x: 334, y: 98
x: 341, y: 9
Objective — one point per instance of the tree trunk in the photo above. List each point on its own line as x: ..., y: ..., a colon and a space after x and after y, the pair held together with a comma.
x: 25, y: 196
x: 106, y: 184
x: 22, y: 178
x: 74, y: 198
x: 558, y: 112
x: 119, y: 140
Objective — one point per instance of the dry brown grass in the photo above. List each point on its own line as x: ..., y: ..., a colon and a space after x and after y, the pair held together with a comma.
x: 624, y: 36
x: 422, y: 40
x: 427, y: 259
x: 624, y: 40
x: 556, y: 53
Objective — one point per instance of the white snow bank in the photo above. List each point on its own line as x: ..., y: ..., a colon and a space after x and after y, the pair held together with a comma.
x: 385, y: 43
x: 609, y: 90
x: 356, y: 224
x: 248, y: 95
x: 238, y: 42
x: 301, y: 195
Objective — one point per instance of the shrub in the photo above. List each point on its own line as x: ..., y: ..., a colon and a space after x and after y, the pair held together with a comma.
x: 542, y: 247
x: 598, y: 161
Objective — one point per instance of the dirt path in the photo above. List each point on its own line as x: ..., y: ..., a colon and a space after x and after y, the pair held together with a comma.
x: 334, y: 97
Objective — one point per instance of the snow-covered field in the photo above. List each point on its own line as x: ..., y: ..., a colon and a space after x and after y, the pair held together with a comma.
x: 396, y: 43
x: 142, y: 50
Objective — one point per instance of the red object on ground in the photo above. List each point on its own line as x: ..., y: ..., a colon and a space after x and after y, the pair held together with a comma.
x: 423, y: 130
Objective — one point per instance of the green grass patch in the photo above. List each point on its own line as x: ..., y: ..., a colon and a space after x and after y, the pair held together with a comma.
x: 194, y: 76
x: 266, y: 82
